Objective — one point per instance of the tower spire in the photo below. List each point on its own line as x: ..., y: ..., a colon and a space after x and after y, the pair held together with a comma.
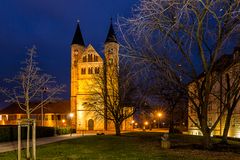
x: 77, y: 38
x: 111, y: 37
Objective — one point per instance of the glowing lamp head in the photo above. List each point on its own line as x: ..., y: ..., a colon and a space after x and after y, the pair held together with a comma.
x: 71, y: 115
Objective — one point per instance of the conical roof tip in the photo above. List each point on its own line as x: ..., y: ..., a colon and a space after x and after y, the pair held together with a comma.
x: 77, y: 38
x: 111, y: 37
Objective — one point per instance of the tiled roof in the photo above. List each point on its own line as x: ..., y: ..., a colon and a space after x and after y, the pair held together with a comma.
x: 52, y: 107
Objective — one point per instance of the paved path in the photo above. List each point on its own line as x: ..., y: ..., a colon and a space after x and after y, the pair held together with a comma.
x: 11, y: 146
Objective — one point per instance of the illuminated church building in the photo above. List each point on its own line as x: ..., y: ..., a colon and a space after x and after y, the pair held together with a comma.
x: 85, y: 63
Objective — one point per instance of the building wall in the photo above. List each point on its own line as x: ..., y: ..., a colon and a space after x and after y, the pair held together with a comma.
x: 83, y: 84
x: 215, y: 107
x: 50, y: 119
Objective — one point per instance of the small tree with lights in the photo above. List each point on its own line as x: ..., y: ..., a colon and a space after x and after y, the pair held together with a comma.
x: 27, y: 86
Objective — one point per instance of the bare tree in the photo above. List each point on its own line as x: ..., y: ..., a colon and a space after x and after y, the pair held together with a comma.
x: 197, y: 31
x: 228, y: 87
x: 174, y: 97
x: 115, y: 95
x: 26, y: 87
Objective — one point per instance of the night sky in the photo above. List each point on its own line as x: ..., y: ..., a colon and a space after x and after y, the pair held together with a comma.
x: 50, y: 25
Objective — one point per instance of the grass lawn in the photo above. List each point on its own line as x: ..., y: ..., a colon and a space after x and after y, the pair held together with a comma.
x: 131, y: 146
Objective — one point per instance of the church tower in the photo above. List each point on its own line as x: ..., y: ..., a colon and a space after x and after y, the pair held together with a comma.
x: 111, y: 48
x: 86, y: 66
x: 77, y: 49
x: 111, y: 67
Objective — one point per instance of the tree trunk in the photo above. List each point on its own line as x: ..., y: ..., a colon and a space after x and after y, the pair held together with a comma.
x: 207, y: 144
x: 171, y: 124
x: 117, y: 129
x: 227, y: 126
x: 28, y: 138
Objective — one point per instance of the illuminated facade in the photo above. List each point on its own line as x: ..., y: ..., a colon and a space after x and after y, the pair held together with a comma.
x: 227, y: 64
x: 85, y: 64
x: 54, y: 114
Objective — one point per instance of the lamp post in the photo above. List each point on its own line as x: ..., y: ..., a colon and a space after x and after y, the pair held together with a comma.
x: 159, y: 116
x: 71, y: 116
x: 146, y: 124
x: 133, y: 124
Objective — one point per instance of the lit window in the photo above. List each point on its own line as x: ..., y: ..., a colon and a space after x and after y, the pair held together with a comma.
x: 76, y: 52
x: 0, y: 117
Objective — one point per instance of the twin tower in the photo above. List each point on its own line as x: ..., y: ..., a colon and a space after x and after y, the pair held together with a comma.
x: 85, y: 64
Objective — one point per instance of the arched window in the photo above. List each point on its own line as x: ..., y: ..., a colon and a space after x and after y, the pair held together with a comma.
x: 110, y: 61
x: 96, y: 70
x: 90, y: 70
x: 90, y: 58
x: 95, y: 58
x: 84, y: 59
x: 83, y: 70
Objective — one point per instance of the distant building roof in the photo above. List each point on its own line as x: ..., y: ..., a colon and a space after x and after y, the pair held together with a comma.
x: 59, y: 107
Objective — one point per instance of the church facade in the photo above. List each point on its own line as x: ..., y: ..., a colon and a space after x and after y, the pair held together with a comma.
x: 86, y: 63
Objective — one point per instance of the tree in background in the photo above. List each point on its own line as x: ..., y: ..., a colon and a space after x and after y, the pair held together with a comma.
x: 27, y: 86
x: 227, y: 90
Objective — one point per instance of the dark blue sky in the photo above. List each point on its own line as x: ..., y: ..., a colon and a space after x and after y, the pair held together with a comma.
x: 50, y: 25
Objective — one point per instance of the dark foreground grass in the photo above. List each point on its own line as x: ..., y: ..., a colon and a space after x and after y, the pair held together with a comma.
x: 131, y: 146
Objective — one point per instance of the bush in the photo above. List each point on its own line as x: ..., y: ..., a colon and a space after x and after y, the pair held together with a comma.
x: 61, y: 131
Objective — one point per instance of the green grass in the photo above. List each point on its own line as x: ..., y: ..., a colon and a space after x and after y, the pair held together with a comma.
x: 131, y: 146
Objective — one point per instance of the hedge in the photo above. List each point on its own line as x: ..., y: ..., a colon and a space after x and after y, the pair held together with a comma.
x: 10, y: 132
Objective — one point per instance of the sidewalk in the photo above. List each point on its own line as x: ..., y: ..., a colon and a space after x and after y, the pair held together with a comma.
x: 11, y: 146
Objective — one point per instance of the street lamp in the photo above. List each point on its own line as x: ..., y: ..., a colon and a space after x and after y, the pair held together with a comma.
x: 71, y: 116
x: 132, y: 124
x: 159, y: 115
x: 146, y: 124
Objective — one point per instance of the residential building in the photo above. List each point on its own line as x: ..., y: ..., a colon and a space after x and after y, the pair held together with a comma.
x: 226, y: 65
x: 51, y: 115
